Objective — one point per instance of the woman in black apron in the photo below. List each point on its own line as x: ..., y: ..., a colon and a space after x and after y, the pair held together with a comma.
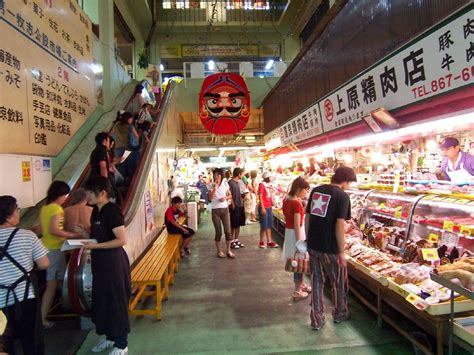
x: 110, y: 269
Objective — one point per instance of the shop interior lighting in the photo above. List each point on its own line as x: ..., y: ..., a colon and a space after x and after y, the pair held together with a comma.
x: 269, y: 64
x: 97, y: 68
x: 348, y: 158
x: 162, y: 67
x: 211, y: 65
x: 203, y: 149
x: 431, y: 145
x: 165, y: 150
x: 433, y: 127
x: 234, y: 148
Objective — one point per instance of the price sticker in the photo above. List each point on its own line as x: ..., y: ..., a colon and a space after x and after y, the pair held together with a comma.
x: 466, y: 230
x: 430, y: 254
x: 433, y: 238
x: 398, y: 214
x: 416, y: 301
x: 450, y: 199
x: 401, y: 291
x: 382, y: 205
x: 362, y: 226
x: 462, y: 201
x: 448, y: 226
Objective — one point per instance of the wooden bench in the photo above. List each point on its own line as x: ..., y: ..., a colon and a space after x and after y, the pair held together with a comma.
x: 155, y: 272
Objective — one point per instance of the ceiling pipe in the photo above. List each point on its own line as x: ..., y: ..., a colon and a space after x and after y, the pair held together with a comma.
x: 153, y: 26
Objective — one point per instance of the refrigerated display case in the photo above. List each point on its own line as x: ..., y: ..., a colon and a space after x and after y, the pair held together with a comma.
x: 358, y: 203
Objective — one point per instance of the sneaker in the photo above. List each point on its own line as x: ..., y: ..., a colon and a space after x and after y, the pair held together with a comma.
x: 318, y: 327
x: 240, y: 245
x: 187, y: 251
x: 272, y: 245
x: 261, y: 245
x: 234, y: 245
x: 118, y: 351
x: 248, y: 221
x: 341, y: 319
x: 102, y: 345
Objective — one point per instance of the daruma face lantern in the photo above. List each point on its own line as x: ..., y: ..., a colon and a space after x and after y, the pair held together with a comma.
x: 224, y: 103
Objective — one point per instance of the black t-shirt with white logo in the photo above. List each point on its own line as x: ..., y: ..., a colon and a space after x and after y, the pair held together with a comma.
x: 326, y: 204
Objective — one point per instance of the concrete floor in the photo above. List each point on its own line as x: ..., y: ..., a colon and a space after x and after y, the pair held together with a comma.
x: 244, y: 306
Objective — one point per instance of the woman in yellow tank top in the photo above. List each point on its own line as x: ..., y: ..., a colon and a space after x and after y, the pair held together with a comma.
x: 52, y: 228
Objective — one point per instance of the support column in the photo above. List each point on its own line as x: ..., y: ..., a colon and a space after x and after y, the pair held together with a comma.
x: 107, y: 44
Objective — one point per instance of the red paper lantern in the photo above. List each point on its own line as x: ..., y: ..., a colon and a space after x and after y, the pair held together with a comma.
x: 224, y: 103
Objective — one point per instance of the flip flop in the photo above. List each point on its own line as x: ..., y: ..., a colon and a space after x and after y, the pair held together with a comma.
x: 230, y: 255
x: 220, y: 255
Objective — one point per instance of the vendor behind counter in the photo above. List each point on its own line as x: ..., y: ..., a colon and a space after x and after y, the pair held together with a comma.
x: 457, y: 166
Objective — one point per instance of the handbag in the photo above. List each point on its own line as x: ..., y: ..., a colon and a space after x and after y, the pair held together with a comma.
x: 298, y: 264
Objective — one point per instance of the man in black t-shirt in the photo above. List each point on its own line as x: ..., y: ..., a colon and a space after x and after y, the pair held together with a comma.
x: 328, y: 207
x: 99, y: 159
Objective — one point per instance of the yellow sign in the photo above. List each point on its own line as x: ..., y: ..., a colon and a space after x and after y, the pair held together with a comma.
x: 46, y: 77
x: 26, y: 171
x: 448, y: 226
x: 416, y: 301
x: 430, y: 254
x: 398, y: 214
x: 170, y: 50
x: 248, y: 50
x: 433, y: 238
x: 269, y: 50
x: 466, y: 230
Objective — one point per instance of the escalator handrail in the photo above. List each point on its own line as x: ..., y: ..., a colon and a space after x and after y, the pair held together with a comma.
x: 137, y: 185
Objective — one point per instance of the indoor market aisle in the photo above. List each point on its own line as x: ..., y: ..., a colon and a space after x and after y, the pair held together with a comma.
x: 244, y: 305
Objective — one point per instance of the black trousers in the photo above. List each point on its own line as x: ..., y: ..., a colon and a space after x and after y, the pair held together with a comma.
x: 175, y: 230
x: 23, y: 326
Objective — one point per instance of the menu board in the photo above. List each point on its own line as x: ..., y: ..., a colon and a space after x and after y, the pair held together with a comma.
x: 46, y: 74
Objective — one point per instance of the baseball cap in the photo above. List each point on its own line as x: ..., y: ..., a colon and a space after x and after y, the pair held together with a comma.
x: 449, y: 142
x: 266, y: 174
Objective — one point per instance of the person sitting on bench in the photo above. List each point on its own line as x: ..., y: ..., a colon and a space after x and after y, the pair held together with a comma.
x: 173, y: 227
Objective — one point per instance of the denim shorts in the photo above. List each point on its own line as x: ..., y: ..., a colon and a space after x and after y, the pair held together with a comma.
x: 266, y: 221
x: 57, y: 265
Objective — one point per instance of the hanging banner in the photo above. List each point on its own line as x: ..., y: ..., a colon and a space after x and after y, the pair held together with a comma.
x: 224, y: 103
x: 305, y: 125
x: 46, y: 75
x: 438, y: 61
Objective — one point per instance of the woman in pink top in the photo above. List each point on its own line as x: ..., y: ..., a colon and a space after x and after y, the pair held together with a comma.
x: 265, y: 212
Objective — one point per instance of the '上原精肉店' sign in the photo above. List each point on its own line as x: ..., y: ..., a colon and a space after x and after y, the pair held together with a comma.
x: 46, y: 77
x: 438, y: 61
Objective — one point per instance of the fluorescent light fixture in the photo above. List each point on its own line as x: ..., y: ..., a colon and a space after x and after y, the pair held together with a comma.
x: 464, y: 122
x: 162, y: 67
x: 211, y: 65
x: 165, y: 150
x: 203, y: 149
x: 97, y: 68
x: 269, y: 64
x: 260, y: 76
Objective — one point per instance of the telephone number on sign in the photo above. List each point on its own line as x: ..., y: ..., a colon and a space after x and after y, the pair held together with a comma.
x: 444, y: 82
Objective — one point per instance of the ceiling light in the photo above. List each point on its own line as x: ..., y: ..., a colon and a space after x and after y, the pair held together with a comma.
x: 211, y: 65
x: 162, y: 67
x: 203, y: 149
x: 269, y: 64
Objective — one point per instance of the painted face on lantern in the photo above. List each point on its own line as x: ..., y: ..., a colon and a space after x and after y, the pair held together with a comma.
x: 224, y: 103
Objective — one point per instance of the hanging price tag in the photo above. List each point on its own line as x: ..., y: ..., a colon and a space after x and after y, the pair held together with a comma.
x: 398, y: 214
x: 416, y: 301
x: 433, y: 238
x: 448, y: 226
x: 466, y: 230
x: 430, y: 254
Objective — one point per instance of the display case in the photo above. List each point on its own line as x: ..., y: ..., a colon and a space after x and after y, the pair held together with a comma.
x: 386, y: 218
x: 445, y: 223
x: 358, y: 203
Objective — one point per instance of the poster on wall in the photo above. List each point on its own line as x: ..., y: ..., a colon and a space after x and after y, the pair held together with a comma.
x: 148, y: 210
x: 46, y: 75
x: 224, y: 103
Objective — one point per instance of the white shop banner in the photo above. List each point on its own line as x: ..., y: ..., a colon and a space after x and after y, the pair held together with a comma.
x: 305, y: 125
x: 440, y: 60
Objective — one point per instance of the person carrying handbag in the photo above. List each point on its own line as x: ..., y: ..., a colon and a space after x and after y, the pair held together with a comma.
x: 294, y: 232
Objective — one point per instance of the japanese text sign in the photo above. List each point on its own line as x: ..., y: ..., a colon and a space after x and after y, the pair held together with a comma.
x: 46, y: 77
x: 305, y: 125
x: 436, y: 62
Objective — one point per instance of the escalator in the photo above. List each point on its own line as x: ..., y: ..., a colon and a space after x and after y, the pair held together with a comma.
x: 77, y: 286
